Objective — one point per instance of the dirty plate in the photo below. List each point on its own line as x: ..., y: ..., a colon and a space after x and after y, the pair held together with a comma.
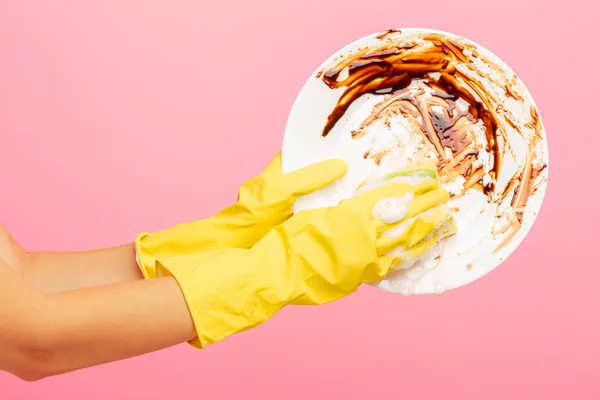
x: 399, y: 97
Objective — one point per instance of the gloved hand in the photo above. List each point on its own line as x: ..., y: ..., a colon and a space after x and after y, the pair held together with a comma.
x: 315, y: 257
x: 263, y: 203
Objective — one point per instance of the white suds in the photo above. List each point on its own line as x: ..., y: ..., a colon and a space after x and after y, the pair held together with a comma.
x: 392, y: 209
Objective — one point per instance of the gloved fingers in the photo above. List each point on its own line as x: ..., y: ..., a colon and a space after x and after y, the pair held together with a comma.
x: 427, y: 201
x: 371, y: 197
x: 423, y: 245
x: 313, y: 177
x: 272, y: 186
x: 391, y: 211
x: 414, y: 230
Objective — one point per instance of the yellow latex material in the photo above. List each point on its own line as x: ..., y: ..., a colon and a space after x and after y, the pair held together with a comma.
x: 315, y: 257
x: 263, y: 203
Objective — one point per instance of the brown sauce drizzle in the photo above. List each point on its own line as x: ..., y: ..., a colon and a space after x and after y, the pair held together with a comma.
x: 524, y: 184
x: 510, y: 91
x: 387, y: 33
x: 393, y: 67
x: 441, y: 65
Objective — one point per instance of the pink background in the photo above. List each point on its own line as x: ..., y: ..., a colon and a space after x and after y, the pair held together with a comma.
x: 122, y: 116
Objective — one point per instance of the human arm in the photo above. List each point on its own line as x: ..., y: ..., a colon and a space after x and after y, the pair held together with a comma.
x: 263, y: 203
x: 315, y: 257
x: 48, y: 334
x: 59, y: 272
x: 53, y: 272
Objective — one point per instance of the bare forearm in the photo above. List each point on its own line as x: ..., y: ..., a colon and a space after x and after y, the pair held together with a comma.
x: 100, y: 325
x: 60, y: 272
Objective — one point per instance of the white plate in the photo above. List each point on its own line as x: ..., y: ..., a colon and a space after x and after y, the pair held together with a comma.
x: 396, y: 138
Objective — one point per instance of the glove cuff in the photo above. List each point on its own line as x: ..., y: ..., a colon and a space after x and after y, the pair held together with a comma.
x: 145, y: 262
x: 226, y: 291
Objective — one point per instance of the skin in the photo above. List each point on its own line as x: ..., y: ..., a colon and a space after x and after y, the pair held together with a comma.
x: 59, y: 272
x: 60, y: 312
x: 104, y: 312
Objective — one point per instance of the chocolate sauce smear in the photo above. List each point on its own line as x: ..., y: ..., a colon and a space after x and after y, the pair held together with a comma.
x: 424, y: 79
x: 387, y: 33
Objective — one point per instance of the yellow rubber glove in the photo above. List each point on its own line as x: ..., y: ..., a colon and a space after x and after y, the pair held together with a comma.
x: 315, y: 257
x: 263, y: 203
